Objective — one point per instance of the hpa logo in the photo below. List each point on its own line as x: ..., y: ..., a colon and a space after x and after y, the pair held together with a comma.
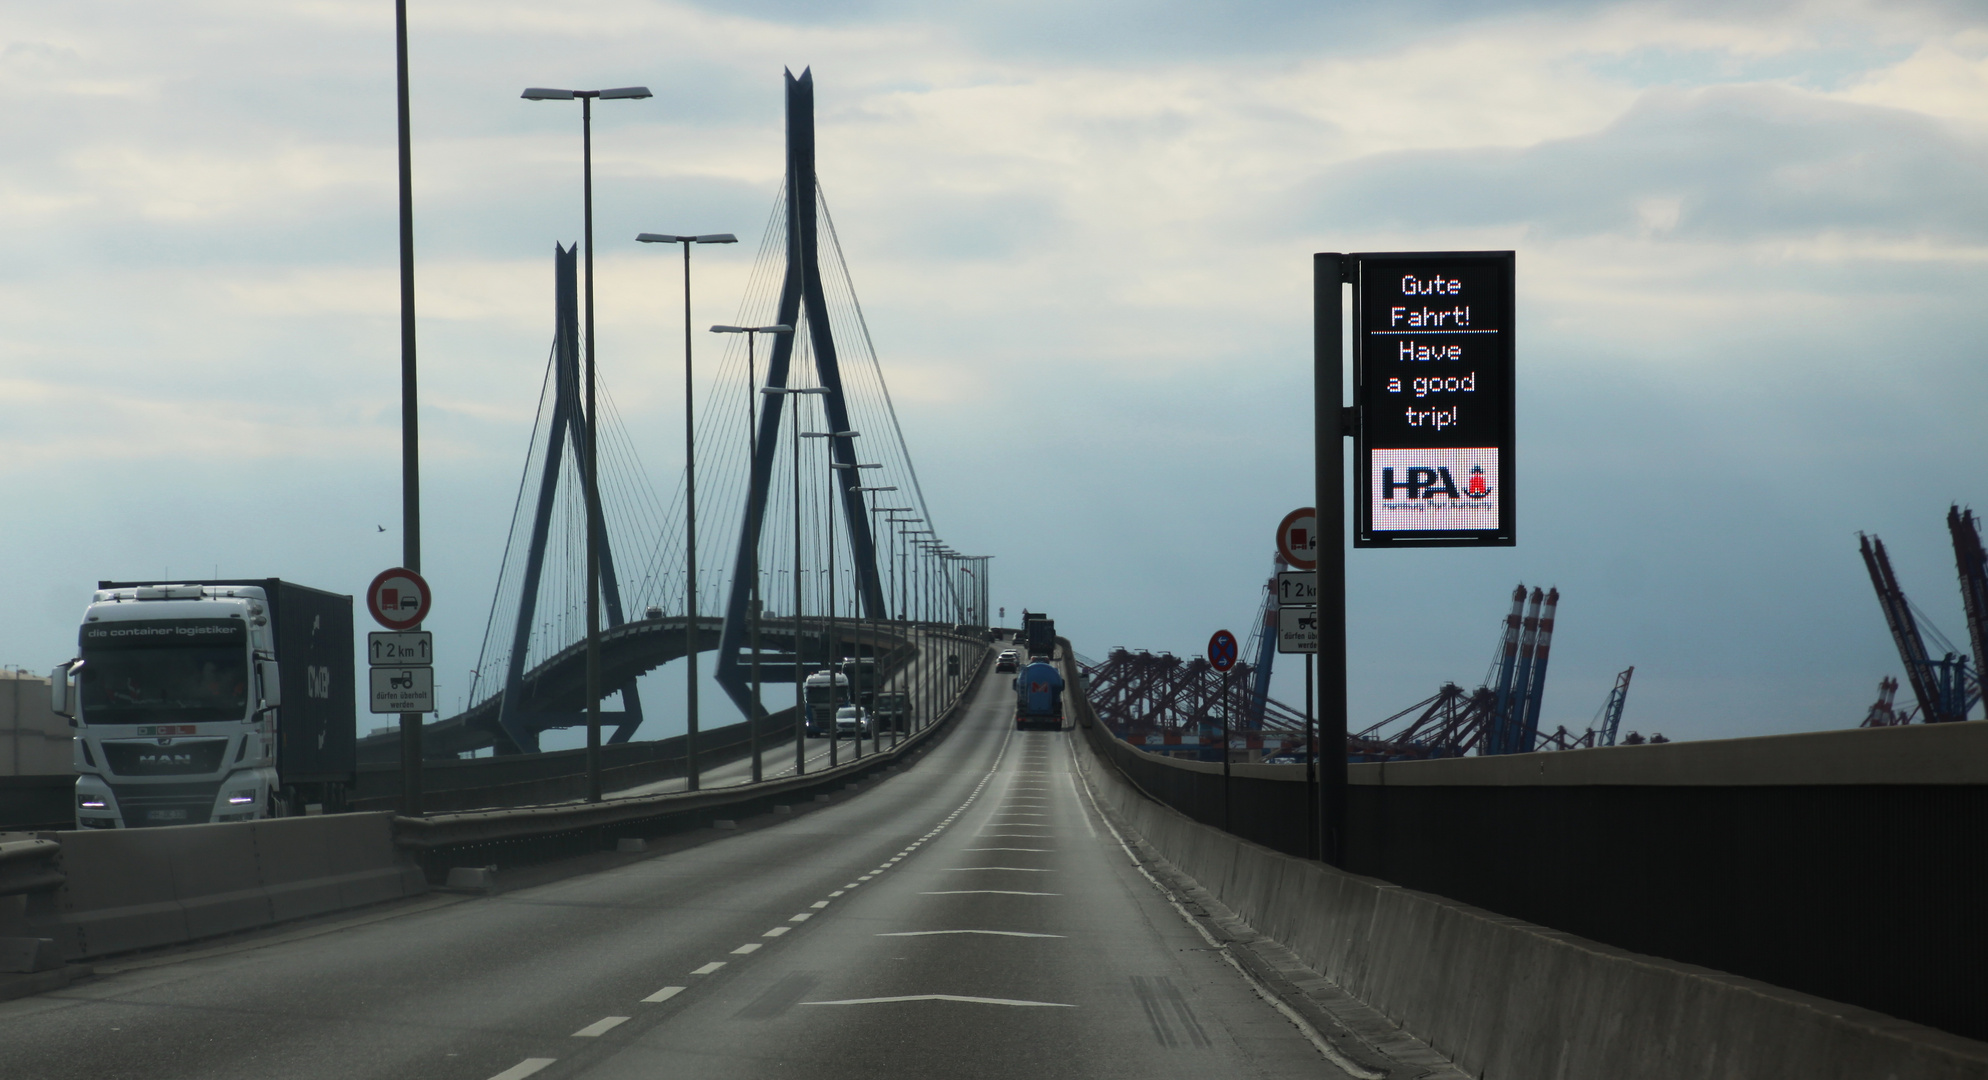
x: 1434, y: 488
x: 1427, y: 482
x: 317, y: 682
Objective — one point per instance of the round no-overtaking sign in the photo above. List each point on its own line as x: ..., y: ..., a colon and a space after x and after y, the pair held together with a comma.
x: 398, y: 599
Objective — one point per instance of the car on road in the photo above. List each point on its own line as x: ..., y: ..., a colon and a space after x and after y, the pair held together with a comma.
x: 1006, y: 661
x: 852, y: 722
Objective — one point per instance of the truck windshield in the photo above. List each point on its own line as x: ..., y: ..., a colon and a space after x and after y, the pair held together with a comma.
x: 165, y: 671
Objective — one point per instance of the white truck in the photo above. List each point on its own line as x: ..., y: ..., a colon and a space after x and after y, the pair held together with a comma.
x: 210, y: 701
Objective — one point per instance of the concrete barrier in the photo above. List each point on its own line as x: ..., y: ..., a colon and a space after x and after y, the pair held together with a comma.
x: 129, y: 889
x: 1505, y: 998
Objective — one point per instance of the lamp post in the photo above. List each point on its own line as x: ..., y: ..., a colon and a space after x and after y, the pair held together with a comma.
x: 800, y: 679
x: 689, y: 503
x: 752, y: 447
x: 829, y: 649
x: 896, y: 733
x: 410, y: 441
x: 936, y: 677
x: 906, y: 539
x: 869, y: 627
x: 593, y: 496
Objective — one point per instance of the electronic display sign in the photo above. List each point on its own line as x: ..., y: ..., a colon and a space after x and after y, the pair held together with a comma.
x: 1432, y: 363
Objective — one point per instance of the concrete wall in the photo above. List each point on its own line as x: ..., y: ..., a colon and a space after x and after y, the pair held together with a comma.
x: 33, y: 740
x: 129, y: 889
x: 1509, y: 999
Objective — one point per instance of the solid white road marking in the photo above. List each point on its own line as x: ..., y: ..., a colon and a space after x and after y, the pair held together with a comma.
x: 987, y: 892
x: 776, y: 931
x: 945, y: 997
x: 1311, y: 1034
x: 664, y: 994
x: 1011, y: 836
x: 995, y: 933
x: 802, y: 917
x: 600, y: 1027
x: 1024, y: 869
x: 750, y: 947
x: 709, y: 968
x: 524, y: 1068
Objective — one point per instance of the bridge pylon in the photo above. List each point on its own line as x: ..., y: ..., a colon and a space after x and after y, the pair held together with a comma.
x: 801, y: 301
x: 519, y: 721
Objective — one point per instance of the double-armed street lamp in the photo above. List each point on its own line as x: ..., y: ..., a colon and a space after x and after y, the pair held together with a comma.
x: 592, y: 473
x: 800, y: 678
x: 689, y: 503
x: 752, y: 448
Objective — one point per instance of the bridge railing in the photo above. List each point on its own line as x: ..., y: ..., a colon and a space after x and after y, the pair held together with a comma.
x: 532, y: 833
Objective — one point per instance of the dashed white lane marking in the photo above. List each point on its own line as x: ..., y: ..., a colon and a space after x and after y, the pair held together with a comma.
x: 1023, y: 869
x: 1012, y: 835
x: 664, y: 994
x: 987, y: 892
x: 1022, y: 813
x: 776, y: 931
x: 945, y: 997
x: 802, y: 917
x: 1007, y: 849
x: 524, y: 1068
x: 819, y: 904
x: 600, y: 1027
x: 747, y: 949
x: 995, y: 933
x: 709, y: 968
x: 838, y: 892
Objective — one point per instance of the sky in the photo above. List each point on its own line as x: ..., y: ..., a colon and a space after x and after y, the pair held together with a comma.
x: 1751, y: 241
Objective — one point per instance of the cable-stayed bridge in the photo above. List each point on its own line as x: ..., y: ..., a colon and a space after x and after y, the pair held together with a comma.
x: 811, y: 494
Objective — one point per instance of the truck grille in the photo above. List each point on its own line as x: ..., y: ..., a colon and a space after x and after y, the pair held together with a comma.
x: 165, y: 804
x: 181, y: 757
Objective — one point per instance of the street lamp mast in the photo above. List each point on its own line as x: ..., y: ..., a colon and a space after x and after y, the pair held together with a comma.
x: 593, y: 495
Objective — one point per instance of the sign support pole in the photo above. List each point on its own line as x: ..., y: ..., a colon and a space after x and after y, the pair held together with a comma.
x: 1330, y: 270
x: 1311, y: 766
x: 410, y: 461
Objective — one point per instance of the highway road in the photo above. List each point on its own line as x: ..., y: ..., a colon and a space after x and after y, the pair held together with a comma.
x: 970, y: 916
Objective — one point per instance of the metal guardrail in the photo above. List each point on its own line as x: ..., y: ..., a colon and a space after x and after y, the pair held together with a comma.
x: 436, y: 834
x: 28, y: 866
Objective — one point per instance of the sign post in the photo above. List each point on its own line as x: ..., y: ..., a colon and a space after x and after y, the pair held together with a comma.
x: 1222, y: 653
x: 1297, y: 632
x: 398, y: 600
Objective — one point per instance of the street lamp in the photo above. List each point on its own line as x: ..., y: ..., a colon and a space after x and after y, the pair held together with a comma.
x: 869, y: 627
x: 689, y: 503
x: 829, y: 648
x: 593, y: 496
x: 800, y: 690
x: 752, y: 448
x: 900, y: 555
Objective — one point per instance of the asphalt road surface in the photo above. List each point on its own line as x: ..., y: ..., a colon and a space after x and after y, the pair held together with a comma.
x: 972, y: 916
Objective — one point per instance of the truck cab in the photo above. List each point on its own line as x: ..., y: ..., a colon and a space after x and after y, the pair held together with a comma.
x: 176, y: 695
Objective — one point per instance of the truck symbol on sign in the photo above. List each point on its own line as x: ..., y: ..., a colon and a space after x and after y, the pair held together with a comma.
x: 401, y: 681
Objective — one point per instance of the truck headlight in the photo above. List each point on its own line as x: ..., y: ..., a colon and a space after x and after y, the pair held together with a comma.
x: 91, y: 802
x: 241, y: 798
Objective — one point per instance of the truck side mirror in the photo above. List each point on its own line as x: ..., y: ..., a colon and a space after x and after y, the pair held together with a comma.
x: 58, y: 691
x: 270, y: 677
